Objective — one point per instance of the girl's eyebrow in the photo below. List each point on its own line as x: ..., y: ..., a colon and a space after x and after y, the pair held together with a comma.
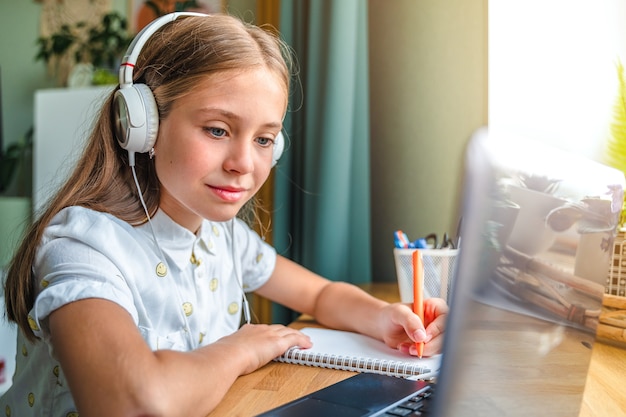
x: 233, y: 116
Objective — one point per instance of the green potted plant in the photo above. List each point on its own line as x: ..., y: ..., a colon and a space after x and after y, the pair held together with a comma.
x: 12, y: 162
x: 15, y: 192
x: 615, y: 150
x: 98, y: 47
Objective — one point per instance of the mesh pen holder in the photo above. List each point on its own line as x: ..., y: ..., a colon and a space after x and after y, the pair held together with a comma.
x: 439, y: 268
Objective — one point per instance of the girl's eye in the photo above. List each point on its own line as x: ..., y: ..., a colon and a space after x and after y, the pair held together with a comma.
x: 264, y: 141
x: 216, y: 131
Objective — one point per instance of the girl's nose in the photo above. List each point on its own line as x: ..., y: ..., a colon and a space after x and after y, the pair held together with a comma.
x: 240, y: 157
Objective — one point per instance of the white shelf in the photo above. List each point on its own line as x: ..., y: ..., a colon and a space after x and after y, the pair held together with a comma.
x: 63, y: 121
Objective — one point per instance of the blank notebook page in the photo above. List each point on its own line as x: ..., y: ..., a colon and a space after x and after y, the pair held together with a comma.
x: 356, y: 352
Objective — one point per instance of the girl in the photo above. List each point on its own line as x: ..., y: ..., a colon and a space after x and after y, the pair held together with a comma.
x: 129, y: 288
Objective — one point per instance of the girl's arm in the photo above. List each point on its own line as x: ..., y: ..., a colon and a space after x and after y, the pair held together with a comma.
x: 344, y: 306
x: 111, y: 371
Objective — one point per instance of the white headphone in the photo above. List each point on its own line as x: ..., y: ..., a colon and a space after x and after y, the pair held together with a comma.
x: 137, y: 115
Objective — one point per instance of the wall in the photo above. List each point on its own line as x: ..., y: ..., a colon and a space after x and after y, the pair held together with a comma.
x: 244, y: 9
x: 21, y: 74
x: 428, y: 93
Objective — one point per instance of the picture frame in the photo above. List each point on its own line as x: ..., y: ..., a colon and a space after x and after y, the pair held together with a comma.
x: 204, y: 6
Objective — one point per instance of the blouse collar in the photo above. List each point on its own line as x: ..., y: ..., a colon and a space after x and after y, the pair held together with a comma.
x: 177, y: 242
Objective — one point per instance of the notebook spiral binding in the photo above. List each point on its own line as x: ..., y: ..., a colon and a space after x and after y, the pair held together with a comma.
x: 354, y: 364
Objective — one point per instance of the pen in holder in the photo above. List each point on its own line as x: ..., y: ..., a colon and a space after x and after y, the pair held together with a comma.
x: 439, y: 268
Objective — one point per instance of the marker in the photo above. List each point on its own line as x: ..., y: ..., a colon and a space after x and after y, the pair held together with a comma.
x: 401, y: 240
x: 418, y: 294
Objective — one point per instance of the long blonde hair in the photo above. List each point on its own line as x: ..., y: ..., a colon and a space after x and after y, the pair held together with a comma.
x: 171, y: 63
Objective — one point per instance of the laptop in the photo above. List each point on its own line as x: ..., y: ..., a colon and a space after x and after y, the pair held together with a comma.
x: 535, y: 247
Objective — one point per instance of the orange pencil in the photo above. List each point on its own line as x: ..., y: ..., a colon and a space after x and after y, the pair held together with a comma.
x: 418, y: 294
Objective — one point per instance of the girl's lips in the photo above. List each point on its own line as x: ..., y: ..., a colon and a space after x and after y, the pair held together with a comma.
x: 227, y: 193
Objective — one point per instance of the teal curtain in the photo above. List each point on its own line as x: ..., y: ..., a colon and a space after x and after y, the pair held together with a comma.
x: 322, y: 195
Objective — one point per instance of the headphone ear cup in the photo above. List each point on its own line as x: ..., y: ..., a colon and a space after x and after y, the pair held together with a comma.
x: 136, y: 118
x: 279, y: 146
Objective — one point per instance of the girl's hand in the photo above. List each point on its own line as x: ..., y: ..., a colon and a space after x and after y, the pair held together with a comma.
x: 401, y: 328
x: 262, y: 343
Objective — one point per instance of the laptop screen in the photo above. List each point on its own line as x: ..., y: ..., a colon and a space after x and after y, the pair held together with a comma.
x: 536, y: 243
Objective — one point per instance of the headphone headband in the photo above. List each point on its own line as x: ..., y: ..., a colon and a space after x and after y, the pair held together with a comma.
x: 132, y: 53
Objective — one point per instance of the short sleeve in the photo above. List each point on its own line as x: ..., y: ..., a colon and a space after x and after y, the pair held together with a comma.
x: 69, y: 269
x: 258, y: 257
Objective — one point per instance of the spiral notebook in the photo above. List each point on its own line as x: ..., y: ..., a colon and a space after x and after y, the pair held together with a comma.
x: 349, y: 351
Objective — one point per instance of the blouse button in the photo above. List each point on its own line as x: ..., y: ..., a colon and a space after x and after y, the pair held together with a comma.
x: 195, y: 260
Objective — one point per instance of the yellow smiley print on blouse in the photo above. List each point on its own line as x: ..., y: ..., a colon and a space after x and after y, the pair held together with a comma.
x: 188, y: 309
x: 31, y: 399
x: 32, y: 323
x: 216, y: 231
x: 44, y: 283
x: 7, y: 411
x: 259, y: 257
x: 161, y: 270
x: 72, y: 414
x: 233, y: 308
x: 213, y: 284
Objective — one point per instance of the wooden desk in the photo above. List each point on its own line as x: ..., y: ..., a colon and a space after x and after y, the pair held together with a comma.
x: 278, y: 383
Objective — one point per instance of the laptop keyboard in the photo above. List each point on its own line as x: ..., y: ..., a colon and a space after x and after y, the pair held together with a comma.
x: 417, y: 405
x: 364, y: 394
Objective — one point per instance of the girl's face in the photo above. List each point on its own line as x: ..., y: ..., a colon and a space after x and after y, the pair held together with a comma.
x: 214, y: 149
